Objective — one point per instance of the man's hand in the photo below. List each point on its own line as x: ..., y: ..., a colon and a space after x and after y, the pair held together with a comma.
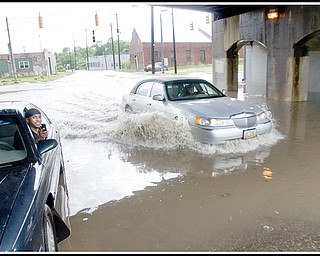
x: 43, y: 134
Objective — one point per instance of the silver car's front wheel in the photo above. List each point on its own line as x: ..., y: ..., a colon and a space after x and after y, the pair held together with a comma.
x: 49, y: 233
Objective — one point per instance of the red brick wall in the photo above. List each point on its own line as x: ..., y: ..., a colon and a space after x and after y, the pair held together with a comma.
x: 140, y: 52
x: 181, y: 49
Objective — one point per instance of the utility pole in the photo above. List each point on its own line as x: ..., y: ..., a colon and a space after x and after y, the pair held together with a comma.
x: 114, y: 60
x: 174, y: 46
x: 118, y: 42
x: 11, y: 54
x: 162, y: 47
x: 152, y: 42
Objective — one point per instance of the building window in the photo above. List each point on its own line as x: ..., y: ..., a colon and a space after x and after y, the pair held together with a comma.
x: 202, y: 55
x: 94, y: 64
x: 24, y: 64
x: 188, y: 55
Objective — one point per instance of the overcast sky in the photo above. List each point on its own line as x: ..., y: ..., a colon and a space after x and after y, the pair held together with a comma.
x: 68, y: 24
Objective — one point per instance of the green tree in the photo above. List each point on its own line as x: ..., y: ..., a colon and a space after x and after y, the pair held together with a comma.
x: 76, y: 58
x: 64, y: 60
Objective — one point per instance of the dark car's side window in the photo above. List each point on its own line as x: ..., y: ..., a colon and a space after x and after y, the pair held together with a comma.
x: 144, y: 88
x: 7, y: 132
x: 12, y: 148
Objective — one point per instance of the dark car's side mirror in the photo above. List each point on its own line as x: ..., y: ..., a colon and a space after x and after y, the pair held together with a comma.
x: 46, y: 145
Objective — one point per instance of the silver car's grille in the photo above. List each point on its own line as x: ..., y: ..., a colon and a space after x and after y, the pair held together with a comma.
x: 245, y: 120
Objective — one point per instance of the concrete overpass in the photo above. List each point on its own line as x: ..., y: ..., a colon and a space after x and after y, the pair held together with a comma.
x: 281, y: 55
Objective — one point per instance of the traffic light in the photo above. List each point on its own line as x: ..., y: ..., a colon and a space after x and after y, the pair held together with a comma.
x: 93, y: 37
x: 40, y: 21
x: 191, y: 26
x: 8, y: 59
x: 207, y: 19
x: 96, y: 18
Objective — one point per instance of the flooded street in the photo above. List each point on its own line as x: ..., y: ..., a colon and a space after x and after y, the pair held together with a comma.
x: 140, y: 183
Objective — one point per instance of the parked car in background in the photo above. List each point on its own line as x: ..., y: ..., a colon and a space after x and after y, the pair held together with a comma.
x: 30, y: 183
x: 157, y: 67
x: 213, y: 117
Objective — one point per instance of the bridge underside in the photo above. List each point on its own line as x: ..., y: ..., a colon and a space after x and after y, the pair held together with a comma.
x: 276, y: 55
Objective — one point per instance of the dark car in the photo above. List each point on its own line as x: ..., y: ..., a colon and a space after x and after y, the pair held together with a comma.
x: 213, y: 117
x: 30, y: 183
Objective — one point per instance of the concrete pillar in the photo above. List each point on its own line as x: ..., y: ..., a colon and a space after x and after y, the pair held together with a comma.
x: 224, y: 33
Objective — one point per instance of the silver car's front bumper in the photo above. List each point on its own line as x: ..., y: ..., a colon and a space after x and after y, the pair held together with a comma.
x: 221, y: 135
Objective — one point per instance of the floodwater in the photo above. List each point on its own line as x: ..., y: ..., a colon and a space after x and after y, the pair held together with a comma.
x: 140, y: 183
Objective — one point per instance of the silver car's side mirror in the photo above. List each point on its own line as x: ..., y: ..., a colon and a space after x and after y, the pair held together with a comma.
x: 158, y: 97
x: 224, y: 91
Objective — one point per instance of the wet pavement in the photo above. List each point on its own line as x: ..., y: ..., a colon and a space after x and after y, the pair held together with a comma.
x: 163, y: 192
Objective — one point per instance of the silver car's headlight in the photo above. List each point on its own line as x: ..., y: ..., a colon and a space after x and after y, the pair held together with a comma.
x: 263, y: 116
x: 213, y: 121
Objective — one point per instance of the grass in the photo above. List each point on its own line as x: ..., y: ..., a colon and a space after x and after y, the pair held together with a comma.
x: 37, y: 79
x: 190, y: 69
x: 32, y: 79
x: 180, y: 69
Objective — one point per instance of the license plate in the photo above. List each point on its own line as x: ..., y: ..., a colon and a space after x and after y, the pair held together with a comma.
x: 248, y: 134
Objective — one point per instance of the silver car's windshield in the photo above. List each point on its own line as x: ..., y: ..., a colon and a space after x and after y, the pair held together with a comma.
x: 186, y: 90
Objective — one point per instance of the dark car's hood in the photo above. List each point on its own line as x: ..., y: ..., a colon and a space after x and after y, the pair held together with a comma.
x: 10, y: 183
x: 222, y: 107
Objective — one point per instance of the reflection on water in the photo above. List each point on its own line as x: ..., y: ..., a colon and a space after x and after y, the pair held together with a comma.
x: 112, y: 172
x: 99, y: 173
x: 189, y: 163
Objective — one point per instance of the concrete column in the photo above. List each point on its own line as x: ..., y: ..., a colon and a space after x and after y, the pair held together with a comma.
x: 224, y: 33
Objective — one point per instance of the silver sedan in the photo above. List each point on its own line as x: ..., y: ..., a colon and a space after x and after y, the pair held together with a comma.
x: 213, y: 117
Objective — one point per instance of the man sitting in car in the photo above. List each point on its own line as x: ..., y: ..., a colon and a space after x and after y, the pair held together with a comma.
x: 189, y: 90
x: 34, y: 120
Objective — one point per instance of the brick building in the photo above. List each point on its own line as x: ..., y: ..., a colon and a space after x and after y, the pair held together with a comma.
x: 187, y: 53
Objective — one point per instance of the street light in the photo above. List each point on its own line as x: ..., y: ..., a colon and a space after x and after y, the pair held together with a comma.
x: 114, y: 61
